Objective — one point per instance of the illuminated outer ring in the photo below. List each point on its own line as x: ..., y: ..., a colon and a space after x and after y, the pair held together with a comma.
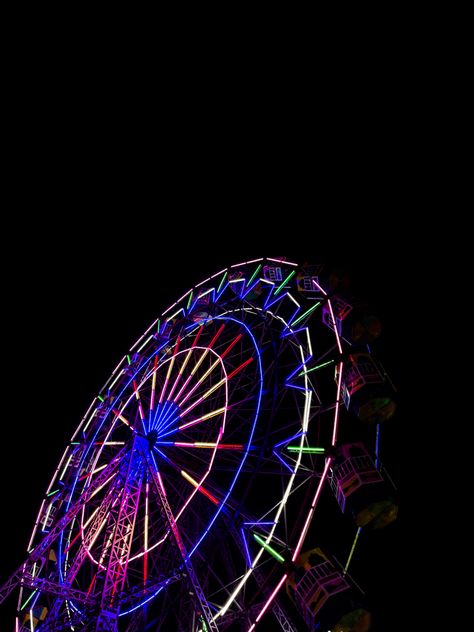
x: 217, y: 389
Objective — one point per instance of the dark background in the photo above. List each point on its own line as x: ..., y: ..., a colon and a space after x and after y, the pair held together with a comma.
x: 73, y: 311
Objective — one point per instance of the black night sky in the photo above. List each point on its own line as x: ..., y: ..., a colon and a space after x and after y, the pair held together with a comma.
x: 72, y: 314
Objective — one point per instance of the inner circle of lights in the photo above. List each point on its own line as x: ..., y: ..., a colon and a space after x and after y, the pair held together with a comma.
x: 208, y: 416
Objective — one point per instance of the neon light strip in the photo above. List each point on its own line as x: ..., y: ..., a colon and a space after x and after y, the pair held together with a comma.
x: 189, y: 300
x: 183, y: 366
x: 335, y: 327
x: 270, y: 599
x: 102, y: 486
x: 257, y: 270
x: 137, y: 395
x: 198, y: 363
x: 170, y: 368
x: 93, y: 472
x: 305, y: 450
x: 52, y: 493
x: 222, y: 281
x: 283, y: 261
x: 268, y: 548
x: 205, y: 417
x: 153, y: 384
x: 243, y: 263
x: 344, y: 573
x: 306, y: 313
x: 199, y: 487
x: 122, y: 418
x: 216, y: 386
x: 211, y: 368
x: 145, y: 343
x: 116, y: 380
x: 315, y: 368
x: 311, y: 511
x: 284, y: 462
x: 338, y: 404
x: 197, y: 444
x: 246, y: 548
x: 284, y: 282
x: 29, y: 599
x: 145, y: 536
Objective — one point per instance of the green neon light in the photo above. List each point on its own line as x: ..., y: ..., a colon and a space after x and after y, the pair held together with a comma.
x: 222, y: 281
x: 259, y: 267
x: 284, y: 282
x: 305, y: 450
x: 158, y: 326
x: 352, y: 550
x: 189, y: 300
x: 315, y: 368
x: 52, y: 493
x: 29, y: 598
x: 100, y: 397
x: 307, y: 313
x: 269, y: 549
x: 128, y: 359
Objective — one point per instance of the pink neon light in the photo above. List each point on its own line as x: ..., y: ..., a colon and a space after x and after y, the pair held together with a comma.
x: 319, y: 287
x: 183, y: 387
x: 311, y: 511
x: 335, y: 327
x: 271, y: 598
x: 336, y: 414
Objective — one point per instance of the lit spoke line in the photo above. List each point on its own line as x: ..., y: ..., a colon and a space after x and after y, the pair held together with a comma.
x: 316, y: 368
x: 170, y: 368
x: 93, y: 472
x: 145, y: 538
x: 199, y: 362
x: 186, y: 360
x: 198, y: 444
x: 211, y: 368
x: 153, y: 384
x: 199, y: 487
x: 122, y: 418
x: 103, y: 485
x: 137, y: 395
x: 164, y: 426
x: 164, y: 414
x: 205, y: 417
x: 216, y: 386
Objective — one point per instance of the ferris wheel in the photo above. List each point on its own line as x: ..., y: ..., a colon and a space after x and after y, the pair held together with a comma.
x: 184, y: 498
